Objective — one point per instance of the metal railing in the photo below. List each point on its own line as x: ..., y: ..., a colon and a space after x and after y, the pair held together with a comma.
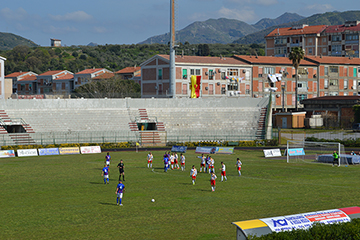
x: 47, y: 138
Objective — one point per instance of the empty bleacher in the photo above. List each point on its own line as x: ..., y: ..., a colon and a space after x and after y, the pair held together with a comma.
x: 106, y: 120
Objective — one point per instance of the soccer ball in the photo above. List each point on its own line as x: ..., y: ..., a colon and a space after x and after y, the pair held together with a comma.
x: 153, y: 200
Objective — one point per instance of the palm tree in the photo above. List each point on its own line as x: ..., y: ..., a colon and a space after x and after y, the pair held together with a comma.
x: 296, y: 54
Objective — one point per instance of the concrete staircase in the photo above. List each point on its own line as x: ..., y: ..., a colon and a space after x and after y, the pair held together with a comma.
x: 260, y: 132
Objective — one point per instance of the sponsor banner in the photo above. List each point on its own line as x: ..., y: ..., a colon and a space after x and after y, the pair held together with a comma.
x: 69, y: 150
x: 225, y: 150
x: 205, y: 150
x: 48, y: 151
x: 90, y: 149
x: 27, y: 152
x: 181, y: 149
x: 296, y: 152
x: 272, y: 152
x: 7, y: 153
x: 305, y: 220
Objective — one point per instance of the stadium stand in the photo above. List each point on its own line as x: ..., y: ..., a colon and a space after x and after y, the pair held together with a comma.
x: 148, y: 121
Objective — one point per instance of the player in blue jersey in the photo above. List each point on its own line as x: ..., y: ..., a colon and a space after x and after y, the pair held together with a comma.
x: 105, y: 174
x: 120, y: 189
x: 166, y: 163
x: 107, y: 159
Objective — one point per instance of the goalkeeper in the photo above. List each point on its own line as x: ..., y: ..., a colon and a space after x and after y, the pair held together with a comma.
x: 336, y: 159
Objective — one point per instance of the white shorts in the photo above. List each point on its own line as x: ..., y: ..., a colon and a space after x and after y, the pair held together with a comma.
x: 108, y: 163
x: 106, y: 176
x: 119, y: 195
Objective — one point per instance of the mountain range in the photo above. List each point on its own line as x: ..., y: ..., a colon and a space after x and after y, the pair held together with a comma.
x: 225, y: 31
x: 221, y: 30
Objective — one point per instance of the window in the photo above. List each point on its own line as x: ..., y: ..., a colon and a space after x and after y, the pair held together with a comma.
x: 160, y: 74
x: 302, y: 97
x: 223, y: 90
x: 326, y: 83
x: 269, y: 70
x: 333, y: 82
x: 211, y: 74
x: 192, y: 71
x: 334, y: 69
x: 302, y: 85
x: 302, y: 71
x: 352, y: 37
x: 22, y: 87
x: 336, y: 49
x: 233, y: 85
x: 310, y: 40
x: 233, y: 72
x: 336, y: 38
x: 326, y: 71
x: 223, y: 75
x: 310, y: 51
x: 197, y: 72
x: 345, y: 84
x: 324, y: 50
x: 184, y: 74
x: 280, y: 41
x: 324, y: 40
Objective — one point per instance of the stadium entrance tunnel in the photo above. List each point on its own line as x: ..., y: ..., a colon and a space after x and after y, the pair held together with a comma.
x: 148, y: 126
x: 15, y: 129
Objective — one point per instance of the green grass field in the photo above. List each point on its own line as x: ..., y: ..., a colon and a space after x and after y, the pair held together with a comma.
x: 64, y: 197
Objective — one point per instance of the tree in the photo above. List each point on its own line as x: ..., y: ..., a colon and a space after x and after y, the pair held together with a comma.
x: 296, y: 54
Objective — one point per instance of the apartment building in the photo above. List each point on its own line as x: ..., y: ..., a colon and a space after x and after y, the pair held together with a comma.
x: 219, y: 76
x: 336, y: 40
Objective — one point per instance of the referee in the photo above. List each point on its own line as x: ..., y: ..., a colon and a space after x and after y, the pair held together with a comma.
x: 121, y: 170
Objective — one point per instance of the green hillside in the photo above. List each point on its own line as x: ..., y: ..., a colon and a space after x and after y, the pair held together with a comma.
x: 9, y: 41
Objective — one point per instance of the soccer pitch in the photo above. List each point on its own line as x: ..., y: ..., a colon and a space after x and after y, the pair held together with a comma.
x: 64, y: 197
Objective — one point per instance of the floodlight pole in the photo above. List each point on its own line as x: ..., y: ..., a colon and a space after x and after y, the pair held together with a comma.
x: 172, y: 49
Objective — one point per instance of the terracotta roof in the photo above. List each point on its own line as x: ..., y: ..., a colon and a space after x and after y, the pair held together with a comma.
x: 65, y: 77
x: 90, y: 70
x: 129, y: 70
x: 106, y: 75
x: 49, y: 73
x: 333, y: 60
x: 341, y: 28
x: 206, y: 60
x: 16, y: 74
x: 290, y: 31
x: 270, y: 60
x: 28, y: 78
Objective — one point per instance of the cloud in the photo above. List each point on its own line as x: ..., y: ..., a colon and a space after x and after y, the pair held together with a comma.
x: 78, y: 16
x: 17, y: 15
x: 244, y: 14
x: 60, y: 30
x: 100, y: 29
x: 319, y: 7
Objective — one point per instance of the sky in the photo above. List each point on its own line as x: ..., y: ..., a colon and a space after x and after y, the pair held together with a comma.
x: 79, y: 22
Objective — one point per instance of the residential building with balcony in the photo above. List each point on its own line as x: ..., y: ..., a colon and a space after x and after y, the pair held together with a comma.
x: 321, y: 40
x: 220, y: 76
x: 85, y: 76
x: 46, y: 82
x: 18, y: 76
